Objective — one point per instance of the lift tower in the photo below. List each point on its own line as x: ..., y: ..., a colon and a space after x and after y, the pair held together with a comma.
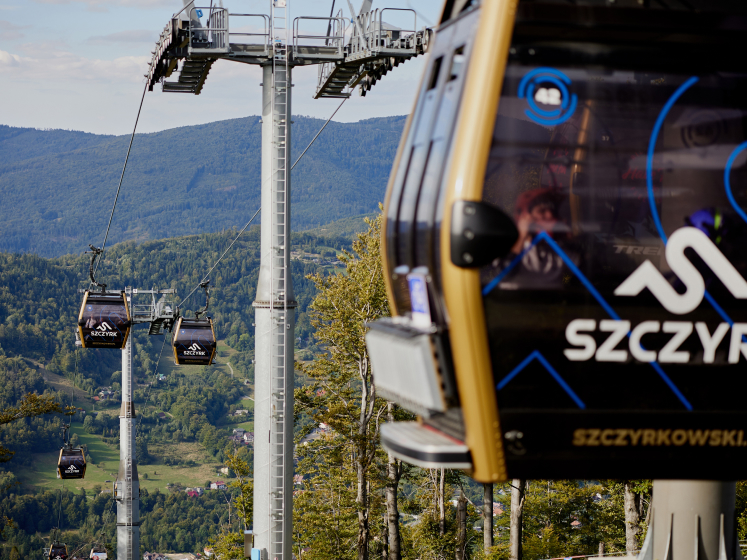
x: 160, y: 314
x: 352, y: 52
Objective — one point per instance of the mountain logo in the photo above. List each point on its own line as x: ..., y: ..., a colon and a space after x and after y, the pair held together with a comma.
x: 104, y: 327
x: 71, y: 469
x: 195, y: 347
x: 648, y: 276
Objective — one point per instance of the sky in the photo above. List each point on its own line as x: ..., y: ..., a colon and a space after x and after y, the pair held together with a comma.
x: 79, y: 65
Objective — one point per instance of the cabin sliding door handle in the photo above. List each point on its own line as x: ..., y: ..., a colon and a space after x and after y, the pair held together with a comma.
x: 480, y: 233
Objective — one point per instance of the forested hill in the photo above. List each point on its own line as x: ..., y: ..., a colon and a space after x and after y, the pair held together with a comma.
x: 39, y: 298
x: 57, y: 187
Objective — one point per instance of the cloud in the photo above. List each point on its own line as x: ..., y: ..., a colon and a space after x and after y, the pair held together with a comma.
x: 133, y: 36
x: 10, y: 31
x: 104, y: 5
x: 60, y: 66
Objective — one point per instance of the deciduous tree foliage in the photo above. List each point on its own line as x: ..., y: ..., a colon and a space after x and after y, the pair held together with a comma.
x: 229, y: 544
x: 345, y: 465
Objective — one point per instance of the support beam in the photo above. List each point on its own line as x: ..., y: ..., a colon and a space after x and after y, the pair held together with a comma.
x: 274, y: 330
x: 127, y: 487
x: 694, y: 519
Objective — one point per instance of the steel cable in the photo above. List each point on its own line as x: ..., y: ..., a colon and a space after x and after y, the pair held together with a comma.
x: 121, y: 178
x: 221, y: 257
x: 318, y: 133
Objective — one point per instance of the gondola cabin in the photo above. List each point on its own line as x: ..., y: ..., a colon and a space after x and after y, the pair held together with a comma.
x: 58, y: 551
x: 104, y: 320
x: 563, y: 244
x: 194, y: 342
x: 71, y: 463
x: 98, y: 553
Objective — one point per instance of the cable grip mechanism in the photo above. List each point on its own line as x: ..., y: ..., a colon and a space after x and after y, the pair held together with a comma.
x: 204, y: 286
x: 95, y: 252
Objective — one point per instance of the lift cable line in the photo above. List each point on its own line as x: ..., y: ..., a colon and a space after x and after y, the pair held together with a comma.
x: 197, y: 287
x: 121, y: 178
x: 318, y: 133
x: 260, y: 208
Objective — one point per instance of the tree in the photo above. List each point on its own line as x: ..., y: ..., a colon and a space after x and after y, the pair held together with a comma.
x: 29, y: 406
x: 516, y: 518
x: 229, y: 545
x: 342, y: 395
x: 487, y: 517
x: 634, y: 492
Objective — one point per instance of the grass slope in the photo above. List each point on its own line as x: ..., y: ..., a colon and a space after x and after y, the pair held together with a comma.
x: 105, y: 457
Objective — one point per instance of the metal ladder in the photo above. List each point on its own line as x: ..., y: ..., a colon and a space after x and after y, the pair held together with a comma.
x: 278, y: 277
x: 128, y: 493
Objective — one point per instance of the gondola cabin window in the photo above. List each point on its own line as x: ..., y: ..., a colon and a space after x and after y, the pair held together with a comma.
x: 629, y: 192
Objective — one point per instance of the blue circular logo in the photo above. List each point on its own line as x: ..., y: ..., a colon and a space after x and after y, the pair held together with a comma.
x: 548, y: 87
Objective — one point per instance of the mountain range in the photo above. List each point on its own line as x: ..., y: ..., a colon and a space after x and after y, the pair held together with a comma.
x: 57, y: 187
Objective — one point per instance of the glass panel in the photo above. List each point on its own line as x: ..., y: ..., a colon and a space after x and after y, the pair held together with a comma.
x: 600, y: 171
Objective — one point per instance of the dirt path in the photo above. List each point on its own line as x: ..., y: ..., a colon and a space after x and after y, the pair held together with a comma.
x: 57, y: 382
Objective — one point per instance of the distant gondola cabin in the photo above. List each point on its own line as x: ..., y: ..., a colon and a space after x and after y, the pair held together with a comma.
x: 194, y: 342
x: 71, y: 463
x: 104, y: 320
x: 98, y: 553
x: 58, y: 551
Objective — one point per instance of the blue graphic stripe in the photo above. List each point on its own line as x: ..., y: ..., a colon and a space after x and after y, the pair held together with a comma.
x: 560, y: 380
x: 719, y: 309
x: 727, y: 179
x: 495, y: 281
x: 652, y: 145
x: 551, y: 370
x: 593, y: 291
x: 650, y: 183
x: 670, y: 384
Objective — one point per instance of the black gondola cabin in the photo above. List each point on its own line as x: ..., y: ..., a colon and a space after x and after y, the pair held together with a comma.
x: 98, y: 552
x: 194, y: 342
x: 563, y: 244
x: 104, y: 320
x: 58, y: 551
x: 71, y: 463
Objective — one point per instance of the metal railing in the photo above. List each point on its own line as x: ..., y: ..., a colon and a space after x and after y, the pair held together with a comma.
x: 375, y: 38
x: 213, y: 36
x: 335, y: 38
x: 265, y: 31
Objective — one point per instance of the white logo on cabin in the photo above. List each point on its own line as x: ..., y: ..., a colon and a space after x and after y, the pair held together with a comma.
x: 584, y: 346
x: 648, y: 276
x: 71, y: 469
x: 104, y: 327
x: 195, y: 350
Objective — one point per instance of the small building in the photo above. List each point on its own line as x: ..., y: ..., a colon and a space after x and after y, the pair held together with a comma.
x: 161, y: 415
x: 239, y: 431
x: 208, y: 551
x: 241, y: 412
x: 218, y: 485
x: 192, y: 493
x: 225, y: 470
x: 249, y: 437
